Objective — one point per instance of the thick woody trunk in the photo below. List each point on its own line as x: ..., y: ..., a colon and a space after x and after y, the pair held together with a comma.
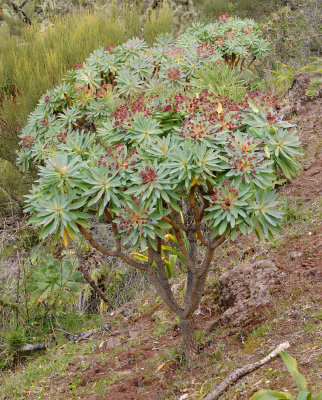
x: 188, y: 339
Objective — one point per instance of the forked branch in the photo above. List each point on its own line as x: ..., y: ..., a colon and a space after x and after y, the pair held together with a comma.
x: 196, y: 213
x: 109, y: 253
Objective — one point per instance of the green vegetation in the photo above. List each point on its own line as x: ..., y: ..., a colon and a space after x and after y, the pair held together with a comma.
x: 128, y: 137
x: 37, y: 60
x: 154, y: 150
x: 288, y: 73
x: 303, y: 393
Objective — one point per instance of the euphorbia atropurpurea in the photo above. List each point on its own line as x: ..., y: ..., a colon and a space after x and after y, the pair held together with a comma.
x: 172, y: 176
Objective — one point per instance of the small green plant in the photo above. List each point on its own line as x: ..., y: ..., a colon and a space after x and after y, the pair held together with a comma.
x: 222, y: 80
x: 199, y: 335
x: 303, y: 392
x: 10, y: 342
x: 54, y: 281
x: 314, y: 87
x: 288, y: 73
x: 177, y: 354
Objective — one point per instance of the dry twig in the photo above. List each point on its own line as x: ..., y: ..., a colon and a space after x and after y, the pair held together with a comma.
x: 240, y: 372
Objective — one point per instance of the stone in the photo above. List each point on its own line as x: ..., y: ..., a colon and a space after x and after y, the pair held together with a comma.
x: 296, y: 97
x: 111, y: 343
x: 245, y: 288
x: 293, y: 255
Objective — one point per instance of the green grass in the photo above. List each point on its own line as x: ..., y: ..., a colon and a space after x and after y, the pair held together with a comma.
x: 158, y: 21
x: 255, y: 338
x: 34, y: 377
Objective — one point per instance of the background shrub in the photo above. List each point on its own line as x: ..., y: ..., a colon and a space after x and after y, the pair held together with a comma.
x: 36, y: 60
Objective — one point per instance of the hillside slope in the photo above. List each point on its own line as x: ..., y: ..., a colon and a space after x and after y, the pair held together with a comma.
x: 140, y: 356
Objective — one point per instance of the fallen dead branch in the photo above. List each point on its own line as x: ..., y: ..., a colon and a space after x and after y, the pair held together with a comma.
x: 240, y: 372
x: 69, y: 336
x: 34, y: 347
x: 86, y: 334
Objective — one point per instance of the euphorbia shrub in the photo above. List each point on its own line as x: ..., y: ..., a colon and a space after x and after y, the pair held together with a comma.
x: 173, y: 175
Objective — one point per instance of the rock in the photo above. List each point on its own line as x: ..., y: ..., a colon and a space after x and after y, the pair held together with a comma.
x: 245, y: 288
x: 296, y: 97
x: 110, y: 343
x: 101, y: 344
x: 293, y: 255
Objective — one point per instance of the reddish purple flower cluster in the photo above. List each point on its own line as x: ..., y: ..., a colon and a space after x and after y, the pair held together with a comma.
x: 195, y: 129
x: 174, y: 73
x: 61, y: 137
x: 248, y: 160
x: 116, y: 157
x: 223, y: 17
x: 167, y: 108
x: 225, y: 201
x: 129, y: 219
x: 78, y: 66
x: 84, y: 90
x: 148, y: 175
x: 176, y: 52
x: 204, y: 50
x: 124, y: 115
x: 219, y: 40
x: 263, y: 99
x: 272, y: 118
x: 216, y: 110
x: 45, y: 122
x: 104, y: 90
x: 248, y: 29
x: 28, y: 141
x: 110, y: 48
x: 47, y: 99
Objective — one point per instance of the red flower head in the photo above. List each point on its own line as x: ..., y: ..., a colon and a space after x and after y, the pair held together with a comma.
x: 223, y: 17
x: 28, y: 141
x: 110, y: 47
x: 174, y: 73
x: 78, y: 66
x: 149, y: 175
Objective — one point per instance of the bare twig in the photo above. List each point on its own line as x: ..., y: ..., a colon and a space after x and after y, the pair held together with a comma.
x: 95, y: 287
x: 240, y: 372
x: 18, y: 10
x: 109, y: 253
x: 85, y: 334
x: 251, y: 62
x: 34, y: 347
